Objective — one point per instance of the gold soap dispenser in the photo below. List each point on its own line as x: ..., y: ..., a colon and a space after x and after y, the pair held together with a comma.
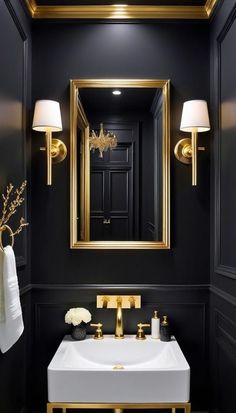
x: 155, y: 325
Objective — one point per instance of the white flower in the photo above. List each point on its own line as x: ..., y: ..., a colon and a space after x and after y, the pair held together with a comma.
x: 75, y: 316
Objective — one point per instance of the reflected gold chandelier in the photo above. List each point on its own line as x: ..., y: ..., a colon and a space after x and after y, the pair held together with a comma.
x: 104, y: 141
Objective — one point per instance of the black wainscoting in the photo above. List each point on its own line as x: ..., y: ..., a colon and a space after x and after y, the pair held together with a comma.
x: 223, y: 273
x: 187, y: 307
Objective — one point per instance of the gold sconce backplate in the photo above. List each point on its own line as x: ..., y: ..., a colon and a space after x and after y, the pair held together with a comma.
x: 183, y: 151
x: 59, y: 151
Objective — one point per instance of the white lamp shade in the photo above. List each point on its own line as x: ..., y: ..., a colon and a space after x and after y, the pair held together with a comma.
x: 195, y: 116
x: 47, y: 116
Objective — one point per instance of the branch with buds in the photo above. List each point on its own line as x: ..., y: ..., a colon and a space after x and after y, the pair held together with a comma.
x: 11, y: 201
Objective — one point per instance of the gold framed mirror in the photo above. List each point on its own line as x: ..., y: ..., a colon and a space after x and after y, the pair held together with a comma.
x: 120, y: 164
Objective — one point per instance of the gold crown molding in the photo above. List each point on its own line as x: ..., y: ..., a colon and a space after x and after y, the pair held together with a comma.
x: 209, y: 7
x: 31, y: 6
x: 119, y: 11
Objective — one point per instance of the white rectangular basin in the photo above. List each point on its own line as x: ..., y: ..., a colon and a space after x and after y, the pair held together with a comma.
x: 118, y: 371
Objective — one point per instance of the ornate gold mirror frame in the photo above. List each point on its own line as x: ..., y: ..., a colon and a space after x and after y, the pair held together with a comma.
x: 78, y: 120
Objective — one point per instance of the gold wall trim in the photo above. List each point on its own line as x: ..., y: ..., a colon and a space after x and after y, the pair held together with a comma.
x: 119, y: 11
x: 76, y: 116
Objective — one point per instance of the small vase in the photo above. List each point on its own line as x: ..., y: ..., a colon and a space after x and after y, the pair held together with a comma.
x: 78, y: 332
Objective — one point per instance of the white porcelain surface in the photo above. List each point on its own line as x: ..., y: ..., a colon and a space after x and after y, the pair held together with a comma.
x: 153, y: 371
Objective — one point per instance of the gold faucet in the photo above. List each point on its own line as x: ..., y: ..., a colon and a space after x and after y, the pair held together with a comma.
x: 119, y: 332
x: 119, y: 302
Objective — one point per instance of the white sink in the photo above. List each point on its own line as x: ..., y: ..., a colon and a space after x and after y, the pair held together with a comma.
x: 118, y: 371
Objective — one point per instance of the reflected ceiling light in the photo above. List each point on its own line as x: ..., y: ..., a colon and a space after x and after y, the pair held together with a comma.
x: 103, y: 141
x: 195, y: 118
x: 116, y: 92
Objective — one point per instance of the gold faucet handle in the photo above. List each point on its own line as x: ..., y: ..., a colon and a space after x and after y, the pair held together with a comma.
x: 98, y: 333
x: 140, y: 333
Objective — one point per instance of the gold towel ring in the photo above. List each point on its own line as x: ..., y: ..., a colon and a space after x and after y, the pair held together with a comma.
x: 3, y: 228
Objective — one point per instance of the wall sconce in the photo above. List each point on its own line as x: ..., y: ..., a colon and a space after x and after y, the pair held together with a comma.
x: 47, y: 118
x: 194, y: 119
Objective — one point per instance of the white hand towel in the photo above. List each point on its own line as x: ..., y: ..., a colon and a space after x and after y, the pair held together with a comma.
x: 12, y: 327
x: 2, y: 310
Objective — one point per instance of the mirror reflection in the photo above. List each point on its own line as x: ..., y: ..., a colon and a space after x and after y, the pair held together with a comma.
x: 120, y: 196
x: 125, y: 140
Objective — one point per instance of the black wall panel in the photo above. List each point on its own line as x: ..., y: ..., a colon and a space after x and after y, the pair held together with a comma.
x: 15, y: 82
x: 223, y: 268
x: 67, y: 50
x: 70, y: 50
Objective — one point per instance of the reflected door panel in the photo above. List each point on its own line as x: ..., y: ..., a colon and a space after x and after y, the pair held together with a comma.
x: 112, y: 185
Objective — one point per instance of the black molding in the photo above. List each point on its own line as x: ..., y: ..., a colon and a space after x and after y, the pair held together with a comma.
x: 115, y: 287
x: 21, y: 260
x: 219, y: 268
x: 25, y: 289
x: 223, y: 295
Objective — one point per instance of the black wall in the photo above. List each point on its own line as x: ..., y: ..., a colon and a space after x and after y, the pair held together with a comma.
x: 15, y: 101
x: 174, y: 281
x: 223, y: 265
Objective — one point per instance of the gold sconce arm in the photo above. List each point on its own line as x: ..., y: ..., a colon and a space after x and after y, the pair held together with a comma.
x: 56, y: 152
x: 49, y: 158
x: 186, y: 152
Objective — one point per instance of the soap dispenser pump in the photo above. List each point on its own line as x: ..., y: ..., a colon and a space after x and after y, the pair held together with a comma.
x: 165, y: 330
x: 155, y: 326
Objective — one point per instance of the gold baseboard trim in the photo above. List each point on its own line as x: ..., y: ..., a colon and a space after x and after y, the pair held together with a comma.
x: 121, y: 11
x: 119, y: 406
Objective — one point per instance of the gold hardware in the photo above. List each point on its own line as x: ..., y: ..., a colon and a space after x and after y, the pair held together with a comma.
x: 145, y: 406
x: 132, y: 302
x: 58, y: 150
x: 119, y: 331
x: 3, y: 228
x: 183, y: 151
x: 98, y: 333
x: 9, y: 208
x: 105, y: 302
x: 118, y: 367
x: 106, y: 221
x: 56, y: 153
x: 186, y: 152
x: 78, y: 120
x: 165, y: 321
x: 111, y: 301
x: 119, y: 302
x: 140, y: 333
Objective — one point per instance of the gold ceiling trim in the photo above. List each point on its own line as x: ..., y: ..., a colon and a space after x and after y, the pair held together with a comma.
x: 31, y: 6
x: 120, y: 11
x: 209, y: 7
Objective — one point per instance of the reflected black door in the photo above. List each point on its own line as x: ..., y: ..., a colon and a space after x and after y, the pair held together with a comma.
x: 112, y: 187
